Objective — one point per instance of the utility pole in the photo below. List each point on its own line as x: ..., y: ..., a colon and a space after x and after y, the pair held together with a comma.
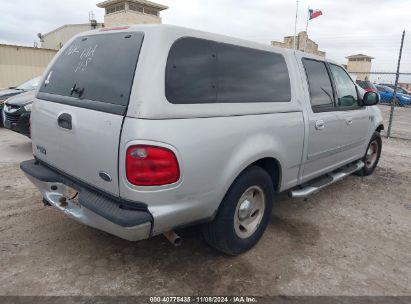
x: 395, y: 88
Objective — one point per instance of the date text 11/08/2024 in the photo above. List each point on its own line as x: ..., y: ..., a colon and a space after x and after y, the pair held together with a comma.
x: 203, y: 299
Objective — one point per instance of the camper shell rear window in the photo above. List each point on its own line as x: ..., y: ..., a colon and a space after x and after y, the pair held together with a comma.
x: 95, y: 72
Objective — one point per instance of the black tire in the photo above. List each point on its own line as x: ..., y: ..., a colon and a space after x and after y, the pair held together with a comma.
x: 221, y: 232
x: 369, y: 168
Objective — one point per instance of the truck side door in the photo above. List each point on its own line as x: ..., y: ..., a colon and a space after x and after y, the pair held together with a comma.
x: 323, y: 122
x: 354, y: 118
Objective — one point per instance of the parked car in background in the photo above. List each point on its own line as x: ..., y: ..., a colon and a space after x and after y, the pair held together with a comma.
x: 16, y: 112
x: 387, y: 93
x: 30, y: 85
x: 188, y: 127
x: 399, y: 89
x: 367, y: 85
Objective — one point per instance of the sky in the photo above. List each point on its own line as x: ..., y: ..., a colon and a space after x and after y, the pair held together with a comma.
x: 347, y: 27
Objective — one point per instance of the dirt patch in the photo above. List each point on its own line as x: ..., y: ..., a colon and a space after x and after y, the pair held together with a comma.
x: 352, y: 238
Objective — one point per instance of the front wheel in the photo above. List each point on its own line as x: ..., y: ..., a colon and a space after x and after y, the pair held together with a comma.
x: 243, y: 214
x: 372, y: 156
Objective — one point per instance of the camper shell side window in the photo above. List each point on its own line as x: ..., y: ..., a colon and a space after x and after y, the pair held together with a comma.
x: 203, y: 71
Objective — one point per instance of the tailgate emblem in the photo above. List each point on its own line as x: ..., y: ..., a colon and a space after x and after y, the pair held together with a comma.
x: 104, y: 176
x: 41, y: 149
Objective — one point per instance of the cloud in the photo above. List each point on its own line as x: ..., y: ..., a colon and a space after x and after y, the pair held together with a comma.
x: 347, y: 27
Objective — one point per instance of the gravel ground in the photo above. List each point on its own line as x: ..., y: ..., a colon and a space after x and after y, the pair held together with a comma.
x: 401, y: 127
x: 352, y: 238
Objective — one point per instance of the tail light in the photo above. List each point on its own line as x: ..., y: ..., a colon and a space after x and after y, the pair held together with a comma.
x: 151, y: 166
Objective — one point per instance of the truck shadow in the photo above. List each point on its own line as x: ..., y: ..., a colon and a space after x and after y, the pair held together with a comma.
x: 194, y: 265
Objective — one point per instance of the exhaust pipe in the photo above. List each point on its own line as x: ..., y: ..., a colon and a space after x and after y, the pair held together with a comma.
x: 173, y: 238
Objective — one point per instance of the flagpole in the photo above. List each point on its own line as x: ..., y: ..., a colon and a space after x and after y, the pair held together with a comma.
x: 306, y: 29
x: 295, y: 25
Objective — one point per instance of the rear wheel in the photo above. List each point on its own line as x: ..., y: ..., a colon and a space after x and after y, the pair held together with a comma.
x: 372, y: 156
x: 243, y: 214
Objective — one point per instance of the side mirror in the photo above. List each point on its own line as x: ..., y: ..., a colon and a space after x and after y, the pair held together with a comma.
x: 370, y: 99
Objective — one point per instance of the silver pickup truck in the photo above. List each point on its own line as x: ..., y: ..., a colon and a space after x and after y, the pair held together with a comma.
x: 141, y: 130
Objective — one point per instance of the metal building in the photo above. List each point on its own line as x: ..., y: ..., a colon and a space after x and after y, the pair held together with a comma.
x: 20, y: 63
x: 58, y: 37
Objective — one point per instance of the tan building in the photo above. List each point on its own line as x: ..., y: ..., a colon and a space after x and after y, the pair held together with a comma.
x: 121, y: 12
x: 303, y: 43
x: 20, y: 63
x: 58, y: 37
x: 118, y: 12
x: 360, y: 65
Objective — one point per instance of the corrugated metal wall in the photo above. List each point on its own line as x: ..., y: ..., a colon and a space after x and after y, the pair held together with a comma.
x: 19, y: 64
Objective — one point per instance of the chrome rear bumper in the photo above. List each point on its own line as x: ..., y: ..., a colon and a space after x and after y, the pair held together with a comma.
x: 92, y: 208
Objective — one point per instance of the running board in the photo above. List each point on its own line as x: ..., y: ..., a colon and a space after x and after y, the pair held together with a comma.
x: 325, y: 180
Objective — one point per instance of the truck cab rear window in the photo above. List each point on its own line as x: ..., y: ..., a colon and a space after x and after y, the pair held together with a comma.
x: 97, y: 68
x: 319, y: 83
x: 203, y: 71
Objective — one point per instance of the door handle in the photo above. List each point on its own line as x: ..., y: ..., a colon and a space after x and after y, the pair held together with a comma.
x: 64, y: 121
x: 348, y: 121
x: 319, y: 124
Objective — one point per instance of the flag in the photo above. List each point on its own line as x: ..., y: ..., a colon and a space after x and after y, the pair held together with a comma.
x: 314, y: 13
